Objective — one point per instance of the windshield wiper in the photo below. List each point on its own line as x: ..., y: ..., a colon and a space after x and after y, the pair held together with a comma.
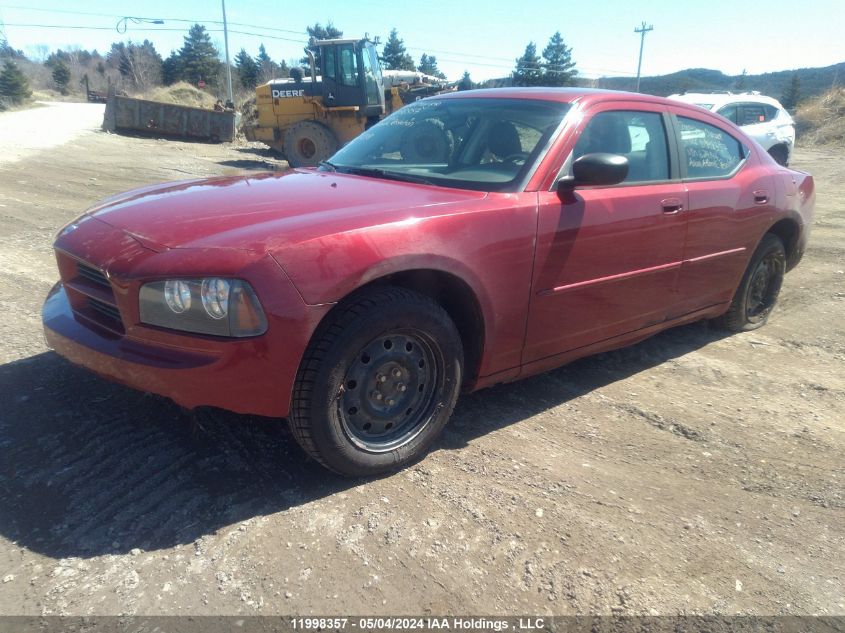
x: 328, y: 165
x: 381, y: 173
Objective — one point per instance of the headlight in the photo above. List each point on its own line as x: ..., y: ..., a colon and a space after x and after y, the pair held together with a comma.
x: 221, y: 307
x: 215, y: 297
x: 177, y: 294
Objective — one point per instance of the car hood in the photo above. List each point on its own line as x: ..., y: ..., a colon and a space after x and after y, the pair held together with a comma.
x: 268, y: 210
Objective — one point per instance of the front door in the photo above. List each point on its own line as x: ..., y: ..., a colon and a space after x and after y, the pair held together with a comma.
x: 607, y: 258
x: 341, y: 81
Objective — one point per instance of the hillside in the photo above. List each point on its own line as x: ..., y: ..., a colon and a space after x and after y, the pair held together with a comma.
x: 814, y: 81
x: 821, y: 120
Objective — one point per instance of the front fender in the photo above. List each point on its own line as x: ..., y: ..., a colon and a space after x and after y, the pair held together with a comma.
x: 489, y: 248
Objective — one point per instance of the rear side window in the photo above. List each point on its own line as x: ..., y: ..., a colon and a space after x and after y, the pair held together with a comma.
x: 638, y: 136
x: 708, y: 151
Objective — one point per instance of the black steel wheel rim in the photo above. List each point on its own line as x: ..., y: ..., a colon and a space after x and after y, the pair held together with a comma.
x: 389, y: 393
x: 764, y: 287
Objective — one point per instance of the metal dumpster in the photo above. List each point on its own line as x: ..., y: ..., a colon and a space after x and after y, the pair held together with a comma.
x: 166, y: 119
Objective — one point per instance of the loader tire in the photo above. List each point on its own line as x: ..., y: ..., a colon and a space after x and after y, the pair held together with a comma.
x: 427, y: 142
x: 307, y: 143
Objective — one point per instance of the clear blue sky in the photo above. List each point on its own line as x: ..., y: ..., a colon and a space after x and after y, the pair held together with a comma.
x: 482, y: 36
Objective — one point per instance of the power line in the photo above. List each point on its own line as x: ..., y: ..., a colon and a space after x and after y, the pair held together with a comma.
x: 107, y: 15
x: 111, y: 28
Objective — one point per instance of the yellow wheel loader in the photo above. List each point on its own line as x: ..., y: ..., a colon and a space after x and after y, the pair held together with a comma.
x: 308, y: 118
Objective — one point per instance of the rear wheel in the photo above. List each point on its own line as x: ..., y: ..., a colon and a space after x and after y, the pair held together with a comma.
x: 307, y: 143
x: 758, y: 291
x: 378, y: 382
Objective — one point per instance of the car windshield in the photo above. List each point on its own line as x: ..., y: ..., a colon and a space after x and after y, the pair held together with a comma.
x: 471, y: 143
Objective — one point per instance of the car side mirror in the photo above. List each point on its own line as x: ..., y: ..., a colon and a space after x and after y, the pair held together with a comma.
x: 598, y: 169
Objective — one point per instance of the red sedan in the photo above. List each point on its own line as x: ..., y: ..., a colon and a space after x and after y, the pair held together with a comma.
x: 466, y: 240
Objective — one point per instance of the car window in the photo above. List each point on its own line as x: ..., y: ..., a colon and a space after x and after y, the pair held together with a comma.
x: 729, y: 112
x: 485, y: 144
x: 771, y: 112
x: 638, y: 136
x: 708, y: 151
x: 752, y: 113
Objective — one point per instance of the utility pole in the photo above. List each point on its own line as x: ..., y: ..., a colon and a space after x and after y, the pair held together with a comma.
x: 642, y: 30
x: 228, y: 66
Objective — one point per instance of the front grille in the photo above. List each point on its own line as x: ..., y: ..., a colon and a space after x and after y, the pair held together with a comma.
x: 92, y: 274
x: 90, y: 293
x: 104, y: 309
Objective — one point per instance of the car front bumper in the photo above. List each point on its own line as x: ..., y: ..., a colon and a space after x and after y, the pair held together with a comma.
x: 240, y: 375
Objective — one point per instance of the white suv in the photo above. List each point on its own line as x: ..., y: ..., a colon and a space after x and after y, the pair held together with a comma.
x: 764, y: 119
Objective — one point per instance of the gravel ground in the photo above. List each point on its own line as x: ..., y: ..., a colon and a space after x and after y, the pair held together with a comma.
x: 696, y: 472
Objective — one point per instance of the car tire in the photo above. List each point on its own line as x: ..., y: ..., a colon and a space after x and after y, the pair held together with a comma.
x: 378, y: 382
x: 308, y: 143
x: 780, y: 154
x: 757, y: 294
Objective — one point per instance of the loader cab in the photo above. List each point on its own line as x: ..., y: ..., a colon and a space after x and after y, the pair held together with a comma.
x: 351, y: 75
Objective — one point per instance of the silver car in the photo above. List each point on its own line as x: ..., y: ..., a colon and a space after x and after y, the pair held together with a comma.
x: 763, y: 118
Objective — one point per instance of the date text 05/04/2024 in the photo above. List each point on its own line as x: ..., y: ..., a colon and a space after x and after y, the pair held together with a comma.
x: 417, y: 624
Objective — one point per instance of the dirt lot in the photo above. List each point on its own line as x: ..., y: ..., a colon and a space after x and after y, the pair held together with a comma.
x: 693, y: 473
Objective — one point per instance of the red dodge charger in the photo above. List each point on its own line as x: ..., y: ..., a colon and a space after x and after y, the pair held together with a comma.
x: 466, y: 240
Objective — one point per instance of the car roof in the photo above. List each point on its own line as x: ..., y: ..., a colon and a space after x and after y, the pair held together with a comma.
x: 719, y: 99
x: 583, y: 97
x: 564, y: 95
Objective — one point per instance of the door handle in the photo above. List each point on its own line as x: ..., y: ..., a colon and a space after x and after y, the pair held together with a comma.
x: 761, y: 196
x: 672, y: 205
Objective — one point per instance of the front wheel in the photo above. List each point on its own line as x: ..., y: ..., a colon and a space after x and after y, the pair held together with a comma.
x: 378, y: 382
x: 308, y: 143
x: 758, y: 291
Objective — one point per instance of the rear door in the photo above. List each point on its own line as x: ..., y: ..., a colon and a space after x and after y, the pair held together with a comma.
x: 729, y: 195
x: 607, y: 257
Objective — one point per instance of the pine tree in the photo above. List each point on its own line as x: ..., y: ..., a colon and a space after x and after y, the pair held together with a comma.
x: 138, y: 64
x: 319, y: 32
x: 466, y: 82
x: 7, y: 52
x: 528, y: 71
x: 61, y: 76
x: 198, y: 59
x: 428, y: 65
x: 13, y: 84
x: 394, y: 55
x: 791, y: 93
x: 558, y: 67
x: 741, y: 83
x: 171, y: 69
x: 267, y: 68
x: 247, y: 69
x: 283, y: 70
